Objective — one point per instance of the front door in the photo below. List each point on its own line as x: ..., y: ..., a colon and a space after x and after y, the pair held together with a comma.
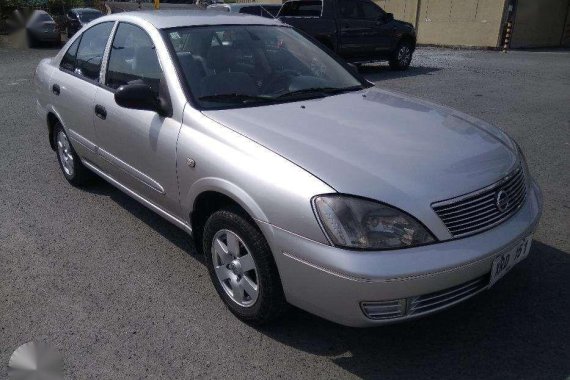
x: 365, y: 32
x: 137, y: 147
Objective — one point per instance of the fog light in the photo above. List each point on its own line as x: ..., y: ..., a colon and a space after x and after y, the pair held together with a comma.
x: 384, y: 309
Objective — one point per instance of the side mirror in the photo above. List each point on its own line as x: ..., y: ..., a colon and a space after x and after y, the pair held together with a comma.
x: 138, y: 96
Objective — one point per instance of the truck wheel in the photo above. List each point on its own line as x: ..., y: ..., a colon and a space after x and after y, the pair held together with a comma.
x: 242, y: 268
x: 402, y: 57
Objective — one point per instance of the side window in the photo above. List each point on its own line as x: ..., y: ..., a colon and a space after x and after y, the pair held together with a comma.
x: 370, y: 11
x: 68, y: 60
x: 349, y: 9
x: 91, y: 50
x: 132, y: 58
x: 305, y: 8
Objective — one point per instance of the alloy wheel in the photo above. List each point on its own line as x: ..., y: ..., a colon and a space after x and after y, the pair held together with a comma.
x: 235, y: 268
x: 65, y: 154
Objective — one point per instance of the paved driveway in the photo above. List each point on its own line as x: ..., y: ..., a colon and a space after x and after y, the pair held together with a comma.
x: 122, y: 294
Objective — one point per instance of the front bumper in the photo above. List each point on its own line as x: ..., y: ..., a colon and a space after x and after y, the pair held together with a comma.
x: 335, y: 283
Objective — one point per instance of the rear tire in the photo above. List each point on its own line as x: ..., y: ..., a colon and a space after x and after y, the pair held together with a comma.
x: 242, y: 268
x: 402, y: 56
x: 69, y: 162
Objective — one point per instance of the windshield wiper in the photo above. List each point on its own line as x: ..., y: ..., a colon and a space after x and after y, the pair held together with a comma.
x: 232, y: 98
x: 319, y: 91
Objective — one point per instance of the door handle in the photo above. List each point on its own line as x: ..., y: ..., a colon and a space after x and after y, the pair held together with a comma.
x: 56, y: 89
x: 100, y: 112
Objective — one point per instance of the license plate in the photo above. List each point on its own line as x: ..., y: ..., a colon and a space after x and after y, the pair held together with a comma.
x: 506, y: 260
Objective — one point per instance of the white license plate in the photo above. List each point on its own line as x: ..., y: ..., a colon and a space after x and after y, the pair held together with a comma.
x: 505, y: 261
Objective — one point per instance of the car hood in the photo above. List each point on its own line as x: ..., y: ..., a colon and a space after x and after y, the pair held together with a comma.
x: 381, y: 145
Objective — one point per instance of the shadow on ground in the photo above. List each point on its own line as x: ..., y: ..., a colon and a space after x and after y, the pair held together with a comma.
x: 520, y: 329
x: 379, y: 72
x: 174, y: 234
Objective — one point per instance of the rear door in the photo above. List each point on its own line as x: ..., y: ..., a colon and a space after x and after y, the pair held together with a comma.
x: 73, y: 87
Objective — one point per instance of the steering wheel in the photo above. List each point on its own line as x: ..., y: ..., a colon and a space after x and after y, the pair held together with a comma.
x: 278, y: 82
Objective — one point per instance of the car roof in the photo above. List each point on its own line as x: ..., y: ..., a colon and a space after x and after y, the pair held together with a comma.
x: 179, y: 18
x: 81, y: 10
x: 238, y: 6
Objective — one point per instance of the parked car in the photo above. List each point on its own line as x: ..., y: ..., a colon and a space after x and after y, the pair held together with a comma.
x: 358, y: 30
x: 41, y: 29
x: 300, y: 181
x: 76, y: 18
x: 256, y: 9
x: 206, y: 3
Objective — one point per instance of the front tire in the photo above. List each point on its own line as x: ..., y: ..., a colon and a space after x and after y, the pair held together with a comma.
x: 69, y: 162
x: 402, y: 57
x: 242, y: 268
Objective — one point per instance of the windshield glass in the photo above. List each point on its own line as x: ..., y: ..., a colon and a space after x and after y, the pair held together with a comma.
x: 240, y: 66
x: 89, y: 16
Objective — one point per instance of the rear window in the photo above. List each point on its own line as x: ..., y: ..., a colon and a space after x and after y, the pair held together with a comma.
x: 302, y: 8
x: 43, y: 18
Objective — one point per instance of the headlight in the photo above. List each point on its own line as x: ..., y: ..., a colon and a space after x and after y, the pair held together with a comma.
x: 352, y: 222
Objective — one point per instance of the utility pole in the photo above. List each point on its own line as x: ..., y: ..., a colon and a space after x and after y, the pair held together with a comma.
x: 156, y: 4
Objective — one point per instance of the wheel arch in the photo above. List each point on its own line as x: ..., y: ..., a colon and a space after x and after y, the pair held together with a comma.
x: 212, y: 194
x: 52, y: 118
x: 407, y: 38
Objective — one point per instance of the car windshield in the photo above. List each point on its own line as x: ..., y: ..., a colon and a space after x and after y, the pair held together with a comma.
x: 242, y: 66
x: 89, y: 16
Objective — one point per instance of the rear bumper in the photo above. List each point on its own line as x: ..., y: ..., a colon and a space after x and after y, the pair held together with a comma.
x: 46, y: 36
x: 335, y: 284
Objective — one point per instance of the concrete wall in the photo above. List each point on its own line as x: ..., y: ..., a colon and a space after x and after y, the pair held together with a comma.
x: 539, y: 23
x: 451, y: 22
x: 460, y: 22
x: 405, y: 10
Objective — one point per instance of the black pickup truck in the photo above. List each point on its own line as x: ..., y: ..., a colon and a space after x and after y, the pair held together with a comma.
x: 358, y: 30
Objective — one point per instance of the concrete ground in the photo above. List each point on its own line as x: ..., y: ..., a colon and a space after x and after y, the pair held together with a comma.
x: 122, y: 294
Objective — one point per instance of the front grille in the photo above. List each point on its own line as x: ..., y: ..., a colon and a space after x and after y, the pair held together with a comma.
x: 432, y: 301
x: 478, y: 211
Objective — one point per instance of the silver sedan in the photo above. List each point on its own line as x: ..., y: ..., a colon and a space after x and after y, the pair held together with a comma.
x: 300, y: 182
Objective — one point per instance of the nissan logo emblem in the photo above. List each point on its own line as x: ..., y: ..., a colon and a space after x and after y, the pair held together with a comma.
x: 502, y: 201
